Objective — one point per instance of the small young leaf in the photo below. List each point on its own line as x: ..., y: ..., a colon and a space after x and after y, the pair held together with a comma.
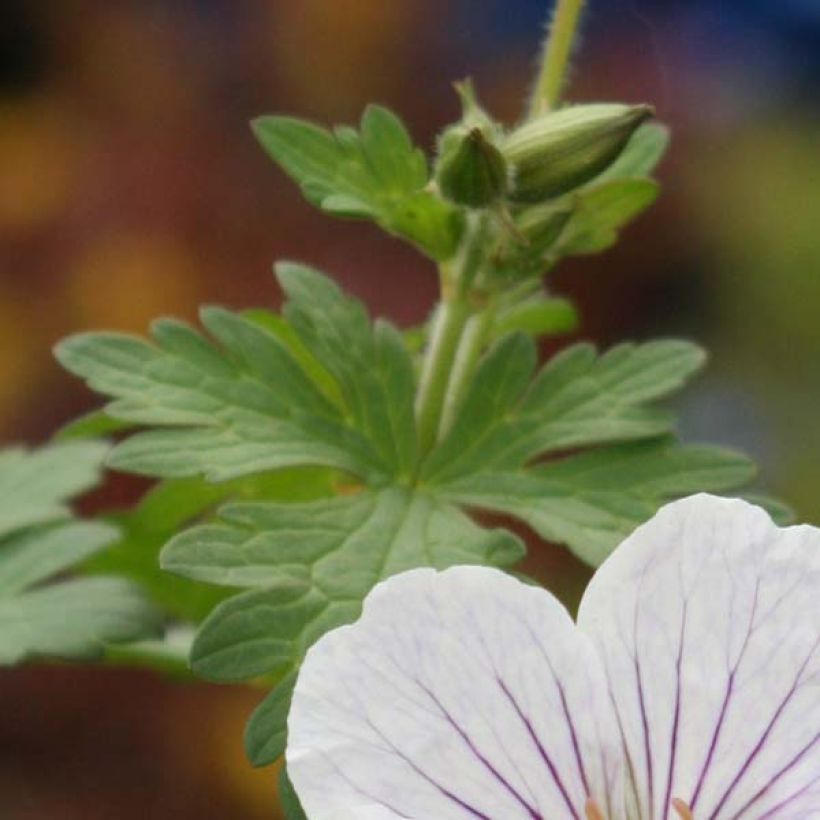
x: 538, y: 316
x: 641, y: 156
x: 375, y: 173
x: 603, y: 210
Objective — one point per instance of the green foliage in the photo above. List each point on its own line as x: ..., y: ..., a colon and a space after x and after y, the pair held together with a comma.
x: 601, y: 211
x: 593, y: 500
x: 539, y: 315
x: 171, y: 506
x: 578, y: 399
x: 252, y: 407
x: 374, y: 173
x: 38, y: 540
x: 308, y: 567
x: 303, y: 462
x: 587, y: 220
x: 288, y: 799
x: 327, y: 397
x: 266, y: 731
x: 36, y: 486
x: 94, y: 425
x: 641, y: 156
x: 303, y: 458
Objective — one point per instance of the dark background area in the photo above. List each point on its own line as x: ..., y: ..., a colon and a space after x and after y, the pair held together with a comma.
x: 130, y: 187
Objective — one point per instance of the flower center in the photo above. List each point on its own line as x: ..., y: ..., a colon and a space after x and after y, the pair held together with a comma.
x: 593, y: 812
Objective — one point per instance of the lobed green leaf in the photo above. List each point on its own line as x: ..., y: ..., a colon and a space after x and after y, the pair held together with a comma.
x: 375, y: 173
x: 591, y: 501
x: 172, y: 506
x: 74, y: 620
x: 253, y: 402
x: 36, y: 484
x: 38, y: 541
x: 308, y: 567
x: 578, y: 399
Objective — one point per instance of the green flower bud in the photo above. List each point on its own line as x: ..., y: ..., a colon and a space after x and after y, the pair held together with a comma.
x: 470, y: 170
x: 565, y: 149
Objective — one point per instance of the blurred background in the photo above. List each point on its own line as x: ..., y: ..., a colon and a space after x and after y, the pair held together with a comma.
x: 130, y: 187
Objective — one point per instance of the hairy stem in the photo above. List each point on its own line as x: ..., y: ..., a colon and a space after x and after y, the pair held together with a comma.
x: 449, y: 323
x: 556, y: 55
x: 472, y: 342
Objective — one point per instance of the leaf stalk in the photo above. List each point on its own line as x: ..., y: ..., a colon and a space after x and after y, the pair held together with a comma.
x: 457, y: 307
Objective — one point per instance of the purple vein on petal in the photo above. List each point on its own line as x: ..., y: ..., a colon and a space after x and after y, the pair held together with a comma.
x: 390, y: 746
x: 783, y: 803
x: 724, y: 708
x: 431, y: 780
x: 541, y: 750
x: 783, y: 771
x: 485, y: 762
x: 362, y: 791
x: 650, y: 774
x: 765, y: 736
x: 630, y: 763
x: 576, y: 747
x: 650, y: 786
x: 673, y: 750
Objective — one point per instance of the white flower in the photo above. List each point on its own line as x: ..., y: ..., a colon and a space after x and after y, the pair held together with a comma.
x: 690, y: 686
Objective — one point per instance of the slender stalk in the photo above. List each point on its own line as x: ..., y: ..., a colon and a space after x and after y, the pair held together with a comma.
x: 555, y: 56
x: 469, y: 351
x: 449, y: 322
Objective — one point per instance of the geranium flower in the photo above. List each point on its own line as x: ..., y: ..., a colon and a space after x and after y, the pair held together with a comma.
x: 690, y: 686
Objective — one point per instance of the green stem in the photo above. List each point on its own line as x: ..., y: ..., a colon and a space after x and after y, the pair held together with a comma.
x: 449, y: 322
x: 556, y: 54
x: 448, y: 325
x: 470, y: 347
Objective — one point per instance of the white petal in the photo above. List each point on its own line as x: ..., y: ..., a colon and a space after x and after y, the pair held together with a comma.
x: 460, y: 694
x: 708, y: 618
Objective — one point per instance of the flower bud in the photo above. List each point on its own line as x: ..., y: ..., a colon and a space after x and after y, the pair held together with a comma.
x: 564, y: 149
x: 470, y: 170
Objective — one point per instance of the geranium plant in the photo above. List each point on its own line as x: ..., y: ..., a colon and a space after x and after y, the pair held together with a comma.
x: 304, y: 457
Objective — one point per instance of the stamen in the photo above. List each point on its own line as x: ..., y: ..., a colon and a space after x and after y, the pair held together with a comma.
x: 681, y: 809
x: 684, y: 812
